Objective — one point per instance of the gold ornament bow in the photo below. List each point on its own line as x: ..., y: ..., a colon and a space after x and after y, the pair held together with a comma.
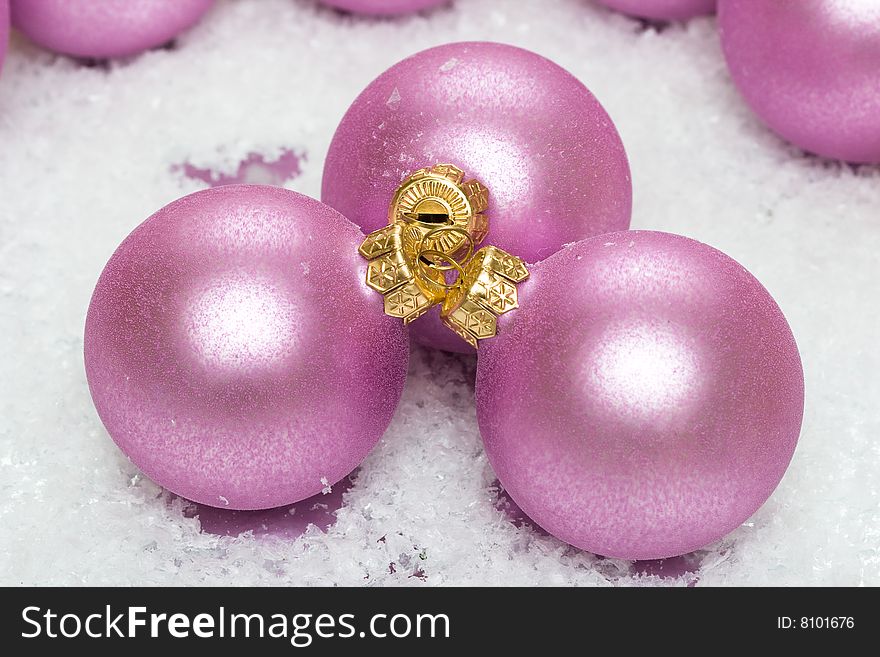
x: 435, y: 223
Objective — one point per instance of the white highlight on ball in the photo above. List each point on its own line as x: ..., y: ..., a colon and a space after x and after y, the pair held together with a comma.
x: 241, y: 320
x: 644, y: 368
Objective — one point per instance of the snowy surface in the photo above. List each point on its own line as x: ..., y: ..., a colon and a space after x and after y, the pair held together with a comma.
x: 88, y: 152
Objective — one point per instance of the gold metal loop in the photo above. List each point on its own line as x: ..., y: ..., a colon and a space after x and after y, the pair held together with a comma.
x: 453, y: 264
x: 448, y: 257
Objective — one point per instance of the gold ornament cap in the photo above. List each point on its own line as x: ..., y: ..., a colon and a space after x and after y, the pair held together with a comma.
x: 436, y: 221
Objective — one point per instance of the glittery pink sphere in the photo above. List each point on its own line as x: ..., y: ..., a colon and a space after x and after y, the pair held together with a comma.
x: 646, y: 397
x: 530, y: 131
x: 4, y: 29
x: 810, y: 69
x: 105, y: 28
x: 662, y: 10
x: 383, y: 7
x: 234, y: 352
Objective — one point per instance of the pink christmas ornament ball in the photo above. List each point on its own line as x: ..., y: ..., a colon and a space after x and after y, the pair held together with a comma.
x: 4, y: 29
x: 234, y: 352
x: 383, y: 7
x: 105, y: 28
x: 662, y: 10
x: 645, y: 398
x: 531, y: 132
x: 810, y: 70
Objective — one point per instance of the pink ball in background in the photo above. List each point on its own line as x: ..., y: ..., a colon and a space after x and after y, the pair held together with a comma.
x: 383, y: 7
x: 646, y: 397
x: 4, y: 29
x: 662, y: 10
x: 234, y: 352
x: 105, y: 28
x: 548, y: 152
x: 810, y: 70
